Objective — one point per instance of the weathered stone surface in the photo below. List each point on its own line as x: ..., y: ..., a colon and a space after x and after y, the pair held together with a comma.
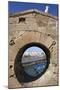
x: 37, y: 27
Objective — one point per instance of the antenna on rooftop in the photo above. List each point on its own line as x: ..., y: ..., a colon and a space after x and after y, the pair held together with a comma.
x: 46, y: 9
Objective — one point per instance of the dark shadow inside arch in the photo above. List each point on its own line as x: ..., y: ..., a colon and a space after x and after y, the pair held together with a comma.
x: 20, y: 73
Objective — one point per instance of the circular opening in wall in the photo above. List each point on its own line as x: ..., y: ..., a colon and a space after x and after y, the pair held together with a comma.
x: 34, y: 61
x: 31, y: 62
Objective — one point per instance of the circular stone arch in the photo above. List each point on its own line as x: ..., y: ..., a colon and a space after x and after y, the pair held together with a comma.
x: 20, y: 73
x: 32, y: 38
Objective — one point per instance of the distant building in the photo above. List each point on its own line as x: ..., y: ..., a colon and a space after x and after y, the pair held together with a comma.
x: 34, y: 53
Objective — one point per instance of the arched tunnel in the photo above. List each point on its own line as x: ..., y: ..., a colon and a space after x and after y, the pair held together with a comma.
x: 21, y: 75
x: 18, y: 74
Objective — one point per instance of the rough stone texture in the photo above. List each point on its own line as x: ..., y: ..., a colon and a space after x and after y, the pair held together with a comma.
x: 38, y: 27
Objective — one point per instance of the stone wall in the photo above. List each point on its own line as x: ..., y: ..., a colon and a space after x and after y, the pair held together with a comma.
x: 39, y: 28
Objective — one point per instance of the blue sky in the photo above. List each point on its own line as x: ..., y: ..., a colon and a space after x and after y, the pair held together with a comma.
x: 22, y: 6
x: 34, y: 49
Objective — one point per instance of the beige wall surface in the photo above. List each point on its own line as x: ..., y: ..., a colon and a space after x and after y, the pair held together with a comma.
x: 38, y: 28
